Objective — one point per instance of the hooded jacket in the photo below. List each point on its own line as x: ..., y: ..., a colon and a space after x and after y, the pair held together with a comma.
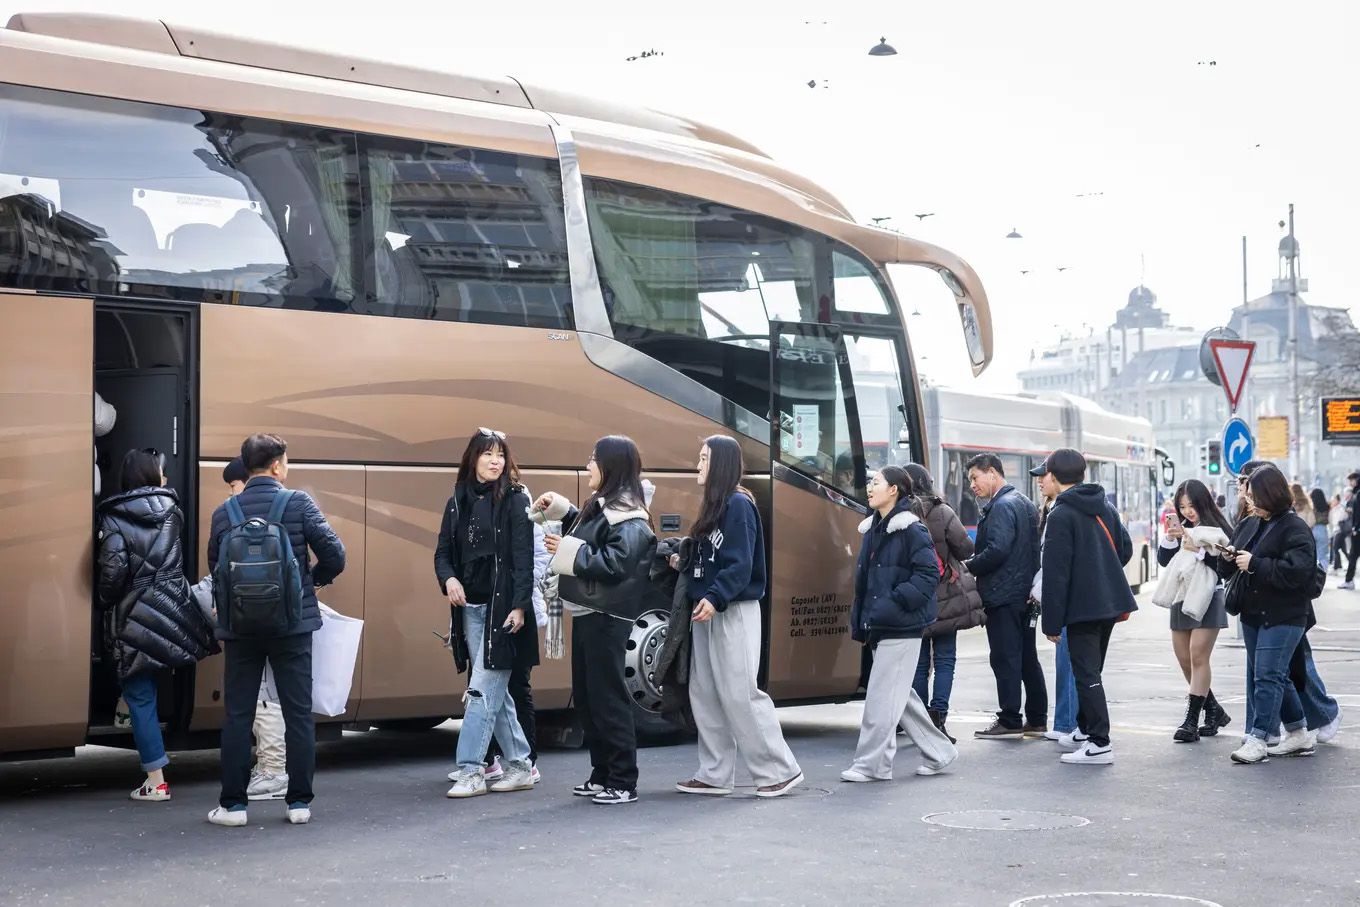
x: 153, y: 621
x: 605, y: 561
x: 1085, y: 550
x: 895, y: 578
x: 960, y: 604
x: 1007, y: 550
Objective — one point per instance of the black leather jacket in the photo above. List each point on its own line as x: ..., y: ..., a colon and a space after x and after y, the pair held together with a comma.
x: 151, y: 620
x: 605, y: 562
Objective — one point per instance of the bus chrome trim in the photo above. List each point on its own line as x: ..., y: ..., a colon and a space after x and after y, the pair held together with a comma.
x: 791, y: 476
x: 591, y: 316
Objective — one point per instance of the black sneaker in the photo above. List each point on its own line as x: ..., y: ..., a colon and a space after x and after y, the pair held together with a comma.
x: 612, y: 797
x: 588, y: 789
x: 999, y: 731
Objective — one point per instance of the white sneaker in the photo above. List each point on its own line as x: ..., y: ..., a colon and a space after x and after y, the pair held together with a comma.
x: 514, y: 776
x: 231, y: 818
x: 1327, y: 733
x: 1089, y: 754
x: 1295, y: 743
x: 858, y: 777
x: 267, y: 786
x: 299, y: 815
x: 1053, y: 735
x: 1252, y: 751
x: 533, y: 773
x: 467, y: 784
x: 151, y: 794
x: 1072, y: 740
x: 937, y: 768
x: 1350, y: 585
x: 492, y: 772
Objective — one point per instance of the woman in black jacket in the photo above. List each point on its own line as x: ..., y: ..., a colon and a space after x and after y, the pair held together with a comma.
x: 734, y: 717
x: 895, y: 582
x: 1269, y: 568
x: 485, y: 565
x: 1193, y: 640
x: 153, y: 622
x: 605, y: 562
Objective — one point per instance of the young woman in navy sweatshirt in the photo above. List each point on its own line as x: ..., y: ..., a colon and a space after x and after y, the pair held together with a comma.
x: 726, y: 582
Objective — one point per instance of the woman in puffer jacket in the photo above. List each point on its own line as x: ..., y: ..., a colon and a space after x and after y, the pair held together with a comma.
x: 895, y: 583
x: 152, y: 621
x: 960, y: 604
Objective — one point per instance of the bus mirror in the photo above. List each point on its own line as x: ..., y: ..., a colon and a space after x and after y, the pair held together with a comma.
x: 903, y: 438
x: 972, y: 333
x: 1168, y: 472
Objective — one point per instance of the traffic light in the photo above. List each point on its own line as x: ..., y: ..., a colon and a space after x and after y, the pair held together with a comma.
x: 1214, y: 458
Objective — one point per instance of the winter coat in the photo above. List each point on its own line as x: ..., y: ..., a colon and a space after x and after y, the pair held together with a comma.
x: 731, y: 560
x: 1191, y: 572
x: 1085, y: 550
x: 1006, y: 555
x: 1283, y: 561
x: 895, y: 579
x: 307, y: 529
x: 605, y: 561
x: 960, y: 604
x: 512, y: 583
x: 152, y: 619
x: 673, y: 662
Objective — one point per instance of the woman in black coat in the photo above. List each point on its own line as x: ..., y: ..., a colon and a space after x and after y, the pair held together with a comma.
x: 152, y: 621
x: 484, y: 561
x: 605, y: 563
x: 1269, y: 569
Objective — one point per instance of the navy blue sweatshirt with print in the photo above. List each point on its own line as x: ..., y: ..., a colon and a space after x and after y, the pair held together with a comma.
x: 731, y: 563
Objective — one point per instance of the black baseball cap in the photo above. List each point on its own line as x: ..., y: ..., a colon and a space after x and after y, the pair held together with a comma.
x: 235, y: 471
x: 1066, y: 464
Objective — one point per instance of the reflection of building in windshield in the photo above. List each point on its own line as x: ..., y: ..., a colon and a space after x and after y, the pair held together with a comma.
x: 37, y: 243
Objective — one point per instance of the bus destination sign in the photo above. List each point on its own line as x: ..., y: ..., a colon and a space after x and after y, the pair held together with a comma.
x: 1341, y: 419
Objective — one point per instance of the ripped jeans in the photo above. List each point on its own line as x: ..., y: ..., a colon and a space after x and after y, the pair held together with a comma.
x: 487, y: 706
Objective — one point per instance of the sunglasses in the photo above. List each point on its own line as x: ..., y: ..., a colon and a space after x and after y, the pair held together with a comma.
x: 491, y: 433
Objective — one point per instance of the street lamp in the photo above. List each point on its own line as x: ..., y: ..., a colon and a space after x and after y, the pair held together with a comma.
x: 882, y: 49
x: 1014, y: 234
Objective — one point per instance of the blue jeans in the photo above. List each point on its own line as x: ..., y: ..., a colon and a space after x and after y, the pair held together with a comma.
x: 1319, y: 709
x: 1065, y: 689
x: 1271, y: 696
x: 139, y: 692
x: 1321, y: 541
x: 943, y: 651
x: 488, y: 707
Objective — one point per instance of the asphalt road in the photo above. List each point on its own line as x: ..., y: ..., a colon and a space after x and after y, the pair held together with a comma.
x: 1166, y: 818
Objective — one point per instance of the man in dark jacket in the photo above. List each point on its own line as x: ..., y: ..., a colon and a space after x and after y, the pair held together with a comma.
x: 1085, y: 590
x: 266, y: 460
x: 1004, y: 561
x: 1353, y: 510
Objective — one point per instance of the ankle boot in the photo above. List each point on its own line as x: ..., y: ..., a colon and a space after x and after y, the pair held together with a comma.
x: 937, y: 718
x: 1214, y: 716
x: 1188, y: 732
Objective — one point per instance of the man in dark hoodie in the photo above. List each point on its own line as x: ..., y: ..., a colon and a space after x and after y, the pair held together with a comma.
x: 1085, y: 590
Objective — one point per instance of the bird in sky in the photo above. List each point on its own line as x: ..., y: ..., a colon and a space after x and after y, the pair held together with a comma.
x: 1063, y: 268
x: 1024, y: 272
x: 1207, y: 63
x: 924, y: 216
x: 880, y: 220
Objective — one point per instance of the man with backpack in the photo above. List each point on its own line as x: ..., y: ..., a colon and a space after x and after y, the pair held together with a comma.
x: 264, y: 585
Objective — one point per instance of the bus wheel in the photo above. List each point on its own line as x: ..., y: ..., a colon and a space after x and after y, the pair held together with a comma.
x: 639, y: 673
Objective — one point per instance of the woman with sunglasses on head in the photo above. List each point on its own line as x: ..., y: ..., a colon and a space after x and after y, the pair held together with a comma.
x: 484, y: 561
x: 1192, y: 639
x: 154, y: 623
x: 604, y: 562
x: 726, y: 570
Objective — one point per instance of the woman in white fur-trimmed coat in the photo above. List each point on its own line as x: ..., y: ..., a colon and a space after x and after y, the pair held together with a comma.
x: 895, y: 600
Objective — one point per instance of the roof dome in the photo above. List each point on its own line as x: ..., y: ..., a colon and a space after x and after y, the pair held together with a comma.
x: 1289, y: 247
x: 1142, y: 296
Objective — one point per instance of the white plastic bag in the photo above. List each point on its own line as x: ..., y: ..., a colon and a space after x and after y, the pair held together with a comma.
x: 335, y: 647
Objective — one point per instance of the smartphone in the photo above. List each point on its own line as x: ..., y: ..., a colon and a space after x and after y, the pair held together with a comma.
x: 1169, y: 520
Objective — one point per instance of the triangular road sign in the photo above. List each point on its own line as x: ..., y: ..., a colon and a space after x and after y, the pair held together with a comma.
x: 1233, y: 359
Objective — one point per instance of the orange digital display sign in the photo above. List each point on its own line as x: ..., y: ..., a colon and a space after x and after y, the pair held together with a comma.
x: 1341, y: 419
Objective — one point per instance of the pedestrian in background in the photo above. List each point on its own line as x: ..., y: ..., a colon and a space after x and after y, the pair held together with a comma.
x: 1321, y: 515
x: 1065, y: 731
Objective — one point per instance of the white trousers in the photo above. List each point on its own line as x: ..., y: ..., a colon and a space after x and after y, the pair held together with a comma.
x: 269, y: 730
x: 890, y: 701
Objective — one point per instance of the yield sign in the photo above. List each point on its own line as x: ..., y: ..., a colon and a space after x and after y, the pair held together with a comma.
x: 1233, y: 359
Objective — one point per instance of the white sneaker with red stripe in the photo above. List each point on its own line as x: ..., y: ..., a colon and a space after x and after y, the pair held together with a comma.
x: 151, y: 794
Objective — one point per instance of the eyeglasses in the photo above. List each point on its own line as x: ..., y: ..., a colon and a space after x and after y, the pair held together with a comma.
x: 492, y: 433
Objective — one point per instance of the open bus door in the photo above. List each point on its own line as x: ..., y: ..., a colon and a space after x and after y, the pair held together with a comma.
x: 817, y: 474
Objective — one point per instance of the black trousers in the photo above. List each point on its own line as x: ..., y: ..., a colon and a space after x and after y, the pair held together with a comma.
x: 523, y: 696
x: 1339, y: 549
x: 601, y: 697
x: 1015, y: 662
x: 290, y: 657
x: 1354, y: 556
x: 1087, y: 643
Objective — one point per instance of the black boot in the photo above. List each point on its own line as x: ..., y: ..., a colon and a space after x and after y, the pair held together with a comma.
x: 1188, y: 732
x: 1214, y: 716
x: 937, y: 718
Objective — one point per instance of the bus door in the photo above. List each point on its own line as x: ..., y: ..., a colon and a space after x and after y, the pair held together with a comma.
x: 46, y: 503
x: 817, y: 486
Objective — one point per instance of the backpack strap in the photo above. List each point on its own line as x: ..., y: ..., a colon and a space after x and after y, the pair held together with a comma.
x: 234, y: 512
x: 280, y: 504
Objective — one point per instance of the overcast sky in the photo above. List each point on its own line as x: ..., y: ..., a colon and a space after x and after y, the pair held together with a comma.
x: 992, y: 115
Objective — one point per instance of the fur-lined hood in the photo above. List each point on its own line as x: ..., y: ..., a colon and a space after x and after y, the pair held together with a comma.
x: 899, y: 521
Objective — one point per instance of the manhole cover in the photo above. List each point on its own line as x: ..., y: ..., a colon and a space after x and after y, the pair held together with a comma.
x: 1005, y: 820
x: 1111, y: 899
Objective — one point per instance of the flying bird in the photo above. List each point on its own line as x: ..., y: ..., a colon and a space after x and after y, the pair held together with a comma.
x: 880, y: 220
x: 1207, y: 63
x: 1024, y: 272
x: 1062, y: 268
x: 923, y: 216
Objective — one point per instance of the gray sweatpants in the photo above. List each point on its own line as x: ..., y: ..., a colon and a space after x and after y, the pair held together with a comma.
x: 890, y: 701
x: 734, y: 716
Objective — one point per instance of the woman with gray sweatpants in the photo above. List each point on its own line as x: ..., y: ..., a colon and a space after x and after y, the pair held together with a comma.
x: 895, y: 583
x: 735, y: 718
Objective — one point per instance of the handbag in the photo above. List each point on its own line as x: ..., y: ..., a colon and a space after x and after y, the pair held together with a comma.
x: 1235, y: 596
x: 335, y: 649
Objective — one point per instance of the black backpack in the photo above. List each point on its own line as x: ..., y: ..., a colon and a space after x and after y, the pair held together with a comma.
x: 257, y: 581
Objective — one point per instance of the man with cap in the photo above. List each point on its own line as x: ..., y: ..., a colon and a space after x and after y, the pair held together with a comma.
x: 1085, y: 591
x: 1065, y: 731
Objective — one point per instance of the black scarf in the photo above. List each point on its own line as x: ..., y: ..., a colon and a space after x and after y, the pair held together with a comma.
x: 477, y: 539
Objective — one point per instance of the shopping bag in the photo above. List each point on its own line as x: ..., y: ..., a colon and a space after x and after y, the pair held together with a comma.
x: 334, y: 650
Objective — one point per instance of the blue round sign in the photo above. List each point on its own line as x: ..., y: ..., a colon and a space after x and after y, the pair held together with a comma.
x: 1238, y: 445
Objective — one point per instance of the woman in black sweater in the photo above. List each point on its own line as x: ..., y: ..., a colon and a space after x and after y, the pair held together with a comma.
x: 1269, y: 568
